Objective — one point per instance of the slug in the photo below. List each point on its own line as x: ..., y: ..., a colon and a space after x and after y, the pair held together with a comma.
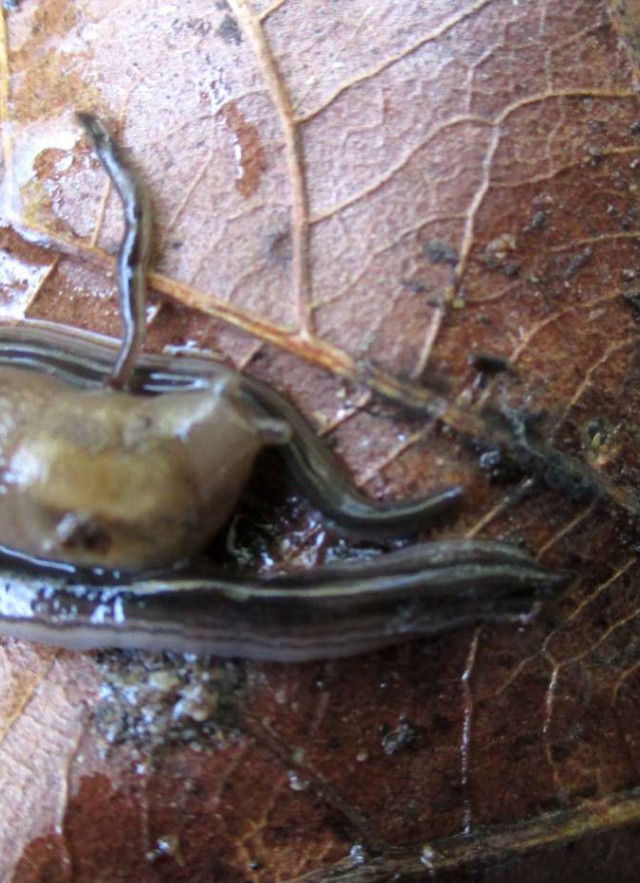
x: 116, y: 469
x: 118, y: 481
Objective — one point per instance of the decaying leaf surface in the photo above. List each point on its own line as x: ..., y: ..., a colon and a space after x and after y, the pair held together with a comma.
x: 381, y: 191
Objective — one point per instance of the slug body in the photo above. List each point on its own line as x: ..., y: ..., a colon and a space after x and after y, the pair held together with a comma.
x: 104, y: 479
x: 107, y: 497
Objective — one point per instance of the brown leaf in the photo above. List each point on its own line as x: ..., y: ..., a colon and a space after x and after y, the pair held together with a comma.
x: 384, y: 191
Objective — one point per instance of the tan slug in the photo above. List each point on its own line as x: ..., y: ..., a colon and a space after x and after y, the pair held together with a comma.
x: 106, y: 479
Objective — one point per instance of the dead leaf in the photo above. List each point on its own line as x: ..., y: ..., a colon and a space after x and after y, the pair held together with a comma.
x: 348, y: 192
